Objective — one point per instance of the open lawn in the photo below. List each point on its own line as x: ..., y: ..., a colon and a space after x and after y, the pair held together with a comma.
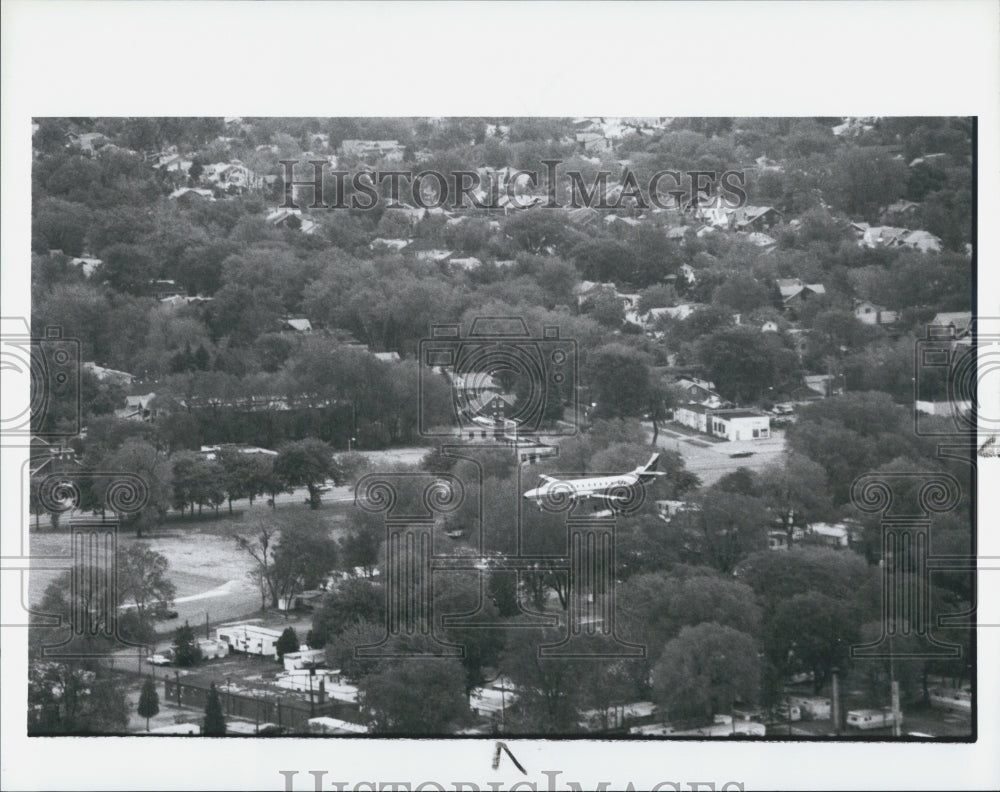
x: 207, y: 568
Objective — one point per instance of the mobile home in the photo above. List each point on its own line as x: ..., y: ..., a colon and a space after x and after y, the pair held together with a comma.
x: 951, y: 698
x: 249, y: 638
x: 870, y: 719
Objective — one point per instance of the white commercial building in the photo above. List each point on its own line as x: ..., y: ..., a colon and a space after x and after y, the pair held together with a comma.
x: 249, y: 638
x: 733, y: 425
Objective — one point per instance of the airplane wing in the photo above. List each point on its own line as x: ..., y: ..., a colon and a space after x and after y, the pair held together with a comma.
x: 605, y: 497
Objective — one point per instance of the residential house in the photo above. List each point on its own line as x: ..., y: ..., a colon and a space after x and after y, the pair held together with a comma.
x: 192, y: 193
x: 492, y: 406
x: 765, y: 164
x: 699, y: 391
x: 794, y: 291
x: 514, y: 203
x: 927, y: 159
x: 387, y: 357
x: 837, y: 535
x: 435, y: 254
x: 300, y: 325
x: 614, y: 219
x: 715, y: 212
x: 688, y: 273
x: 232, y: 175
x: 593, y: 142
x: 753, y: 218
x: 891, y: 236
x: 165, y: 288
x: 852, y: 127
x: 140, y: 408
x: 871, y: 314
x: 87, y: 142
x: 878, y: 236
x: 396, y: 245
x: 173, y: 163
x: 823, y: 384
x: 682, y: 311
x: 177, y: 300
x: 470, y: 386
x: 292, y: 218
x: 88, y: 264
x: 900, y: 211
x: 211, y: 452
x: 668, y: 509
x: 466, y: 262
x: 173, y: 301
x: 759, y: 239
x: 372, y: 150
x: 955, y: 324
x: 112, y: 376
x: 586, y: 289
x: 777, y: 539
x: 924, y: 241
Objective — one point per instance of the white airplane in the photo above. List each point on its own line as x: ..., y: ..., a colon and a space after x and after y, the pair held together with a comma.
x: 601, y: 488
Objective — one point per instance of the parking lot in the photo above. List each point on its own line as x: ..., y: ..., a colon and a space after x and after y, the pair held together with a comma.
x: 711, y: 458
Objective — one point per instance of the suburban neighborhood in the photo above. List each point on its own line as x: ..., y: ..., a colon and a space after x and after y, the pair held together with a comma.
x: 366, y: 447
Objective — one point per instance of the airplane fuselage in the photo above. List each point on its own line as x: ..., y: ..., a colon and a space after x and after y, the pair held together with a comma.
x: 577, y: 488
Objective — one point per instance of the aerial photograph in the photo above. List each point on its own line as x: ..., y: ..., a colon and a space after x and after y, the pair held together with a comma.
x: 628, y: 428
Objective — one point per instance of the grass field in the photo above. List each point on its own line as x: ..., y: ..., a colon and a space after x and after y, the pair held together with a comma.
x: 209, y: 571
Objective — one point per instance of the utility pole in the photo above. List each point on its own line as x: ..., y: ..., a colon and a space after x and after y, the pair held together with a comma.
x: 894, y: 689
x: 835, y: 700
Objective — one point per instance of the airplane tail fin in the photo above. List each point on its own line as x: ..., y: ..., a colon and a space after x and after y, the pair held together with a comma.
x: 649, y: 470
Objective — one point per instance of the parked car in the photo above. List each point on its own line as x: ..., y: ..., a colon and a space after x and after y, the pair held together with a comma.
x: 158, y: 659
